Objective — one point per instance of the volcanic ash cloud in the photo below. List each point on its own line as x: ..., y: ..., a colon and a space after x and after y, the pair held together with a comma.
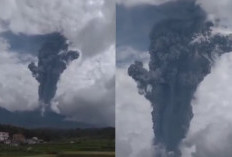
x: 182, y: 51
x: 53, y: 58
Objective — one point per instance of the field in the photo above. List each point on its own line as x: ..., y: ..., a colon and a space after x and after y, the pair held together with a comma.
x: 84, y: 147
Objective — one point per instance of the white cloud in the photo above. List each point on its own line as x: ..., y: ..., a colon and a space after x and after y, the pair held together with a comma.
x: 18, y: 90
x: 126, y: 55
x: 133, y: 117
x: 86, y: 89
x: 84, y: 22
x: 221, y: 10
x: 210, y: 131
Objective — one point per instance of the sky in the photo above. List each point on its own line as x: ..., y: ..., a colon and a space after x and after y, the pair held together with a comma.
x: 89, y: 25
x: 210, y: 130
x: 132, y: 109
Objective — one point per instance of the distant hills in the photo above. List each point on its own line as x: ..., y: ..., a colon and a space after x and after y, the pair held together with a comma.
x: 33, y: 119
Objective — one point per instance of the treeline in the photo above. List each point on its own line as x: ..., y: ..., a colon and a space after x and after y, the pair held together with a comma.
x: 50, y: 134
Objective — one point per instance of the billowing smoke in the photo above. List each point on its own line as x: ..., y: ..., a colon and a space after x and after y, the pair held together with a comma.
x: 53, y: 58
x: 182, y: 51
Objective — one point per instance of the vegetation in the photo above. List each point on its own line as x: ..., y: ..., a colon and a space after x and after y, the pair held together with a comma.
x: 50, y: 134
x: 62, y: 143
x: 69, y: 147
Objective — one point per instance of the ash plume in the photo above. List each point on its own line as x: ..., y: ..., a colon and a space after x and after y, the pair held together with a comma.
x: 53, y: 59
x: 182, y: 51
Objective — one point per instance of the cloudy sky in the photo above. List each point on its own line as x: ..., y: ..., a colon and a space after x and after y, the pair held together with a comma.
x: 210, y: 131
x: 86, y: 89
